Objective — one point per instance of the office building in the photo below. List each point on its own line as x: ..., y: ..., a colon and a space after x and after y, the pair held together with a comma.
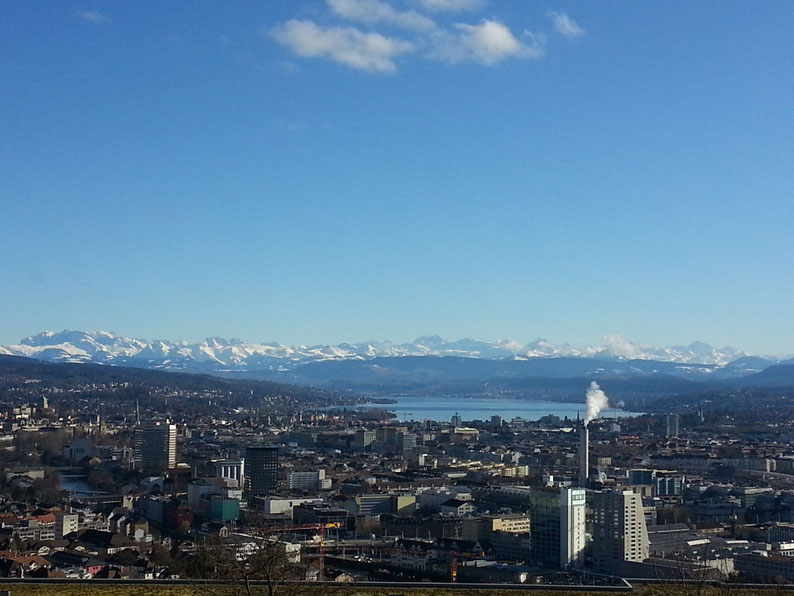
x: 261, y: 470
x: 391, y: 433
x: 669, y: 486
x: 619, y: 531
x: 558, y: 526
x: 405, y: 442
x: 155, y: 447
x: 369, y: 505
x: 642, y: 476
x: 673, y: 421
x: 231, y: 468
x: 309, y: 481
x: 363, y: 439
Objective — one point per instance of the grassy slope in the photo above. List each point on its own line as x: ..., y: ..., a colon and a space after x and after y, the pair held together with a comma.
x: 160, y: 590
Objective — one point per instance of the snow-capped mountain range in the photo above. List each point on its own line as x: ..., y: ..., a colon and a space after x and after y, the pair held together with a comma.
x: 221, y: 355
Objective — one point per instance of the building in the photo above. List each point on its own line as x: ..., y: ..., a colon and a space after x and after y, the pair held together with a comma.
x: 642, y: 476
x: 584, y: 456
x: 432, y: 498
x: 261, y: 470
x: 483, y: 527
x: 322, y: 513
x: 308, y: 481
x: 231, y: 468
x: 155, y: 446
x: 275, y: 506
x: 670, y: 486
x: 66, y: 523
x: 457, y: 507
x: 79, y: 449
x: 780, y: 532
x: 558, y: 526
x: 363, y: 439
x: 198, y: 490
x: 223, y: 508
x: 619, y: 531
x: 371, y: 505
x: 517, y: 498
x: 673, y: 422
x: 405, y: 442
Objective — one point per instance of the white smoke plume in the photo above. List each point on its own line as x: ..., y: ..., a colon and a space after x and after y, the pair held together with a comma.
x: 597, y: 400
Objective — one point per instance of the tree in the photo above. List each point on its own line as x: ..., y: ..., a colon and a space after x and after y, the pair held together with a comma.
x: 48, y: 489
x: 160, y: 555
x: 248, y: 564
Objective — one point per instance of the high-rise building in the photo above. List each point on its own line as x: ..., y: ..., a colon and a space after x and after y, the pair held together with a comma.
x: 673, y: 421
x: 155, y: 447
x: 405, y: 442
x: 363, y: 439
x: 261, y: 470
x: 392, y: 432
x: 558, y: 525
x: 620, y: 533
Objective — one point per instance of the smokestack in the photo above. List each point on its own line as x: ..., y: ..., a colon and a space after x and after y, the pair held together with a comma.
x: 584, y: 456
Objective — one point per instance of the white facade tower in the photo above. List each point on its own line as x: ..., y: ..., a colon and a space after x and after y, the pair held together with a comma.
x: 584, y: 456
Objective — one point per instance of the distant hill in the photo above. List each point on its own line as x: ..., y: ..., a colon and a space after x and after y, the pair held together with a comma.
x: 15, y: 368
x: 451, y: 368
x: 642, y: 385
x: 777, y: 376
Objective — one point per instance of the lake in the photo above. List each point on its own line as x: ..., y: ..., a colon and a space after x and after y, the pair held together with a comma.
x: 409, y: 407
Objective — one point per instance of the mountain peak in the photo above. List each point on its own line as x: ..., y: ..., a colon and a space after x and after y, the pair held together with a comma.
x: 217, y: 353
x: 430, y: 341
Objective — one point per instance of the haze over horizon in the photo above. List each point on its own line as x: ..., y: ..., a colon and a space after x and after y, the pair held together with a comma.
x: 321, y: 172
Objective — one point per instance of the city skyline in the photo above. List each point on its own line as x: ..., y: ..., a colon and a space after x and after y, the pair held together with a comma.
x: 323, y: 172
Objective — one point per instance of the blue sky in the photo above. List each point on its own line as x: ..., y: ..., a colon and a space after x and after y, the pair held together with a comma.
x: 318, y: 172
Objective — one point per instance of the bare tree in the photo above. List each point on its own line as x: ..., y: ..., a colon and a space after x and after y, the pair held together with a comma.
x: 247, y: 565
x: 256, y: 561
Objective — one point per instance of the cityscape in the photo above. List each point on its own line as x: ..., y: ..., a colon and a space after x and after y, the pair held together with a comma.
x: 128, y: 474
x: 396, y: 298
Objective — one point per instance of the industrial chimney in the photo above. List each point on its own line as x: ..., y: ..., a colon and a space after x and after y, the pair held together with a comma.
x: 584, y: 456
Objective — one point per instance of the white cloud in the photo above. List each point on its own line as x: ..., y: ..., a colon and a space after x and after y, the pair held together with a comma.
x: 565, y: 25
x: 377, y: 11
x: 486, y: 43
x: 347, y: 45
x: 91, y: 16
x: 450, y: 5
x: 620, y: 346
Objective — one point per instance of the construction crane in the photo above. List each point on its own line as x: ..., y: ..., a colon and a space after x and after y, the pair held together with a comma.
x: 453, y: 563
x: 321, y: 549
